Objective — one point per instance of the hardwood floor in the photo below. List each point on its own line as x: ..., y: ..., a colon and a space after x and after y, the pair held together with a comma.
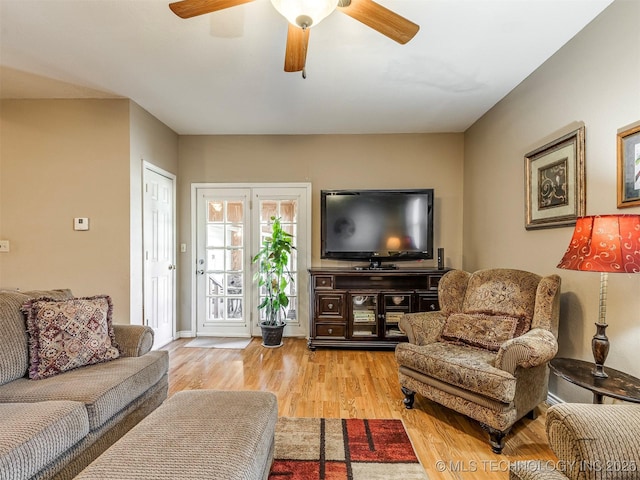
x: 336, y: 383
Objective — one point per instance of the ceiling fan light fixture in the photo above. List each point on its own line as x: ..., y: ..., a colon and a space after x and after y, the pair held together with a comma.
x: 305, y: 13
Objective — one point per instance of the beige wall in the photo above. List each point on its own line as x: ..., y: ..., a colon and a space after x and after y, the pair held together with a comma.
x: 326, y: 161
x: 155, y: 143
x: 63, y: 159
x: 593, y: 80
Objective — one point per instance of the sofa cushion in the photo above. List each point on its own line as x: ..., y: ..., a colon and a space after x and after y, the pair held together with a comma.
x: 67, y: 334
x: 502, y: 292
x: 484, y: 331
x: 461, y: 365
x: 14, y: 350
x: 33, y: 435
x: 104, y: 388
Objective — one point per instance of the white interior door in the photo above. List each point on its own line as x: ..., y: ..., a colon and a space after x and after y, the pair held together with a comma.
x: 229, y: 224
x: 159, y: 254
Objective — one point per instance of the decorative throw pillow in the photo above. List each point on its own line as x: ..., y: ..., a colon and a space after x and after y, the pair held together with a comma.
x: 67, y: 334
x: 484, y: 331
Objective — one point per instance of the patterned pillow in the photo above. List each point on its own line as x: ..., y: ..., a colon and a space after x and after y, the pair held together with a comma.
x: 484, y: 331
x: 67, y: 334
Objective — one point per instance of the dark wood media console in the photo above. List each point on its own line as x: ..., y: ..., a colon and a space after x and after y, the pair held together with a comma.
x: 361, y: 308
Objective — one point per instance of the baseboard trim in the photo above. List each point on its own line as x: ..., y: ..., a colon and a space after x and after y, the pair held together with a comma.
x: 553, y: 399
x: 185, y: 334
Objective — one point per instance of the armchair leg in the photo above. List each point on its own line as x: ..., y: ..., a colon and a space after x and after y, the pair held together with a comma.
x: 496, y: 438
x: 532, y: 415
x: 409, y: 397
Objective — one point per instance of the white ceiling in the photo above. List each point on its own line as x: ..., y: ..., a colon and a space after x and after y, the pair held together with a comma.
x: 222, y: 73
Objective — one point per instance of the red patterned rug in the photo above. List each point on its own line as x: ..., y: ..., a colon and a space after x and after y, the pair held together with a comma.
x: 343, y: 449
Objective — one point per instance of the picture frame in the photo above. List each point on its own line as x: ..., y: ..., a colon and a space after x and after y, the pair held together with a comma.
x: 628, y: 146
x: 555, y: 182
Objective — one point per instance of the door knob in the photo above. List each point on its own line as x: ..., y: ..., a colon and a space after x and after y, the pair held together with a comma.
x: 172, y: 267
x: 200, y: 272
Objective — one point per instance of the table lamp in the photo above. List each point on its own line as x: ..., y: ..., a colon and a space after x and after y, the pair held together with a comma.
x: 605, y: 244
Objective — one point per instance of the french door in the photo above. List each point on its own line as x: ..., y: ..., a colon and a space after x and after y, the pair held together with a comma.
x: 230, y: 223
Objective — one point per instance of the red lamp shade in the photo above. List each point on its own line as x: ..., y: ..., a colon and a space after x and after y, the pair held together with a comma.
x: 604, y: 243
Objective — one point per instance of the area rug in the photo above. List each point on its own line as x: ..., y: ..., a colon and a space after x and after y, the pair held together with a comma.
x: 219, y: 342
x: 343, y: 449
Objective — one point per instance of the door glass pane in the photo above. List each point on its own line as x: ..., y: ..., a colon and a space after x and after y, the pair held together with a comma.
x: 234, y: 260
x: 286, y: 210
x: 216, y: 213
x: 225, y: 260
x: 235, y: 212
x: 216, y: 287
x: 215, y: 259
x: 234, y: 308
x: 215, y: 308
x: 289, y: 211
x: 234, y: 284
x: 215, y: 235
x: 268, y: 209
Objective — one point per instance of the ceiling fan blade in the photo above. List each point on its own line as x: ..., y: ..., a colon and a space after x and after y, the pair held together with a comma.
x: 295, y: 55
x: 193, y: 8
x: 381, y: 19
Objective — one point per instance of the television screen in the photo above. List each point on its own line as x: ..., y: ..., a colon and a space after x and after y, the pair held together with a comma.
x: 377, y: 224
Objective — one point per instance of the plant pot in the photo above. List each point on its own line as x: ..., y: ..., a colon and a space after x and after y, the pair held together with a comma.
x: 272, y: 335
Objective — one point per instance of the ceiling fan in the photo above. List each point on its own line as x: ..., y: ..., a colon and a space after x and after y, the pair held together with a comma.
x: 303, y: 14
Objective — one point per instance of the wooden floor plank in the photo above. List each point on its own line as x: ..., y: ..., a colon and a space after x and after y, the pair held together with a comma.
x: 335, y: 383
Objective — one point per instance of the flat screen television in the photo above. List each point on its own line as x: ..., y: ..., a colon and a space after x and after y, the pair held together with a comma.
x: 377, y: 225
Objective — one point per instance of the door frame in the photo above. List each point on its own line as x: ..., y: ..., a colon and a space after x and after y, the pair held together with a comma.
x: 194, y: 254
x: 160, y: 171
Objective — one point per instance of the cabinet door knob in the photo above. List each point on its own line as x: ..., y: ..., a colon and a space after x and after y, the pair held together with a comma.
x: 330, y: 331
x: 432, y: 306
x: 330, y: 306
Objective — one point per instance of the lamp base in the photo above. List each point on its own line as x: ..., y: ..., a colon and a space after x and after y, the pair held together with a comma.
x: 600, y: 349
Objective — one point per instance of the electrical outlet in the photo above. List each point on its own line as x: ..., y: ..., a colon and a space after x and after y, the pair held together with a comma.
x: 4, y: 245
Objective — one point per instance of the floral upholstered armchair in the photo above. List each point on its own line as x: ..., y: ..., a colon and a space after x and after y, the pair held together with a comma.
x: 485, y: 352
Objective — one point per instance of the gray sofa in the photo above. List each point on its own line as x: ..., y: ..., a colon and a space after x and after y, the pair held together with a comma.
x: 592, y: 442
x: 56, y: 426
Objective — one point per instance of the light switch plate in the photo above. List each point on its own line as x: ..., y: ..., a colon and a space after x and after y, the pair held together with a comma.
x: 4, y: 245
x: 81, y: 223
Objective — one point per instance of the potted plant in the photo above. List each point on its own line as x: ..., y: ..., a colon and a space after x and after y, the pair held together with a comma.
x: 274, y: 275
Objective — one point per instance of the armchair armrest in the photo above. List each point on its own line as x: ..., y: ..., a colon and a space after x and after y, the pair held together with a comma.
x: 422, y: 328
x: 536, y: 347
x: 133, y: 340
x: 600, y: 441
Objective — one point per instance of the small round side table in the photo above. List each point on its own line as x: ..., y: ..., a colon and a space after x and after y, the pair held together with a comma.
x: 617, y: 385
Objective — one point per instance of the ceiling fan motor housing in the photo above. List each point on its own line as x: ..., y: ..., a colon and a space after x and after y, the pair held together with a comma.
x: 304, y: 13
x: 304, y: 21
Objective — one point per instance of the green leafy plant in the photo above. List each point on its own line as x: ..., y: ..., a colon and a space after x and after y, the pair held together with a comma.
x: 273, y: 273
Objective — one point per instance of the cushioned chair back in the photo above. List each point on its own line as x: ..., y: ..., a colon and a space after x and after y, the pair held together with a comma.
x: 508, y: 292
x: 14, y: 353
x: 502, y: 292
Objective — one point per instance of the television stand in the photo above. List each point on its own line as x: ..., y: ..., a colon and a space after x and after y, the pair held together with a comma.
x: 362, y: 308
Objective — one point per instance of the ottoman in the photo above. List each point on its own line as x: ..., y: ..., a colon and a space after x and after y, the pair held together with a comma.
x: 196, y: 434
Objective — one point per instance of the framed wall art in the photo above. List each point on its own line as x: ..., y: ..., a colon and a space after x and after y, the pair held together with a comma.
x: 555, y: 182
x: 629, y: 167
